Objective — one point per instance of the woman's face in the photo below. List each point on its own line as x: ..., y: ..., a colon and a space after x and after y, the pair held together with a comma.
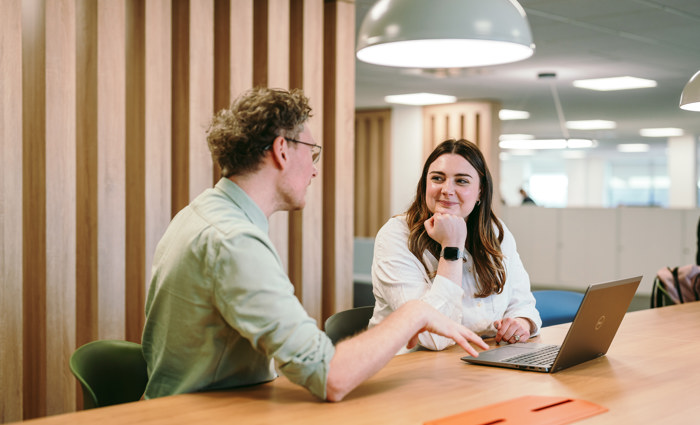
x: 452, y: 186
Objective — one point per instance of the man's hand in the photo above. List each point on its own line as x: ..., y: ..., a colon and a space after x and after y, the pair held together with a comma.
x: 438, y: 323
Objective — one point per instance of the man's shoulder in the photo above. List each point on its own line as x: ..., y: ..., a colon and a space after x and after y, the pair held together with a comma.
x: 223, y: 215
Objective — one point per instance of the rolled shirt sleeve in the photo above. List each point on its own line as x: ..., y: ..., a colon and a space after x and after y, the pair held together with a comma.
x: 258, y: 300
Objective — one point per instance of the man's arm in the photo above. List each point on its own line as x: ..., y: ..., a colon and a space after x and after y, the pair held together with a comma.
x: 358, y: 358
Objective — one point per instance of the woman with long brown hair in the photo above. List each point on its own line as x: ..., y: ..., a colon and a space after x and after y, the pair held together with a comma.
x: 450, y: 250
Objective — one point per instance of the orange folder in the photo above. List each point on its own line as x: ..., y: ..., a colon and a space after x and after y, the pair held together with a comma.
x: 527, y: 410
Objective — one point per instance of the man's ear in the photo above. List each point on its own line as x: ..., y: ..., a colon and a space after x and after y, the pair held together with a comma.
x: 280, y: 152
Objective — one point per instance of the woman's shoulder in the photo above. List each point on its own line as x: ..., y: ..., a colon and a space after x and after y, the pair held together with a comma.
x: 396, y: 224
x: 393, y: 233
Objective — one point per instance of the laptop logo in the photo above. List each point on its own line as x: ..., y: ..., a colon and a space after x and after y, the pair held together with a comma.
x: 600, y: 322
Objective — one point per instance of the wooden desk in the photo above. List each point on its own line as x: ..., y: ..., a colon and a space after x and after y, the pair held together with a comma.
x: 650, y: 375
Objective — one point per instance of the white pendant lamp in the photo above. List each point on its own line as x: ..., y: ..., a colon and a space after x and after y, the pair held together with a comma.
x: 690, y: 98
x: 444, y: 33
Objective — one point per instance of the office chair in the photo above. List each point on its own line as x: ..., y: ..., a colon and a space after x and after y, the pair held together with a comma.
x: 110, y: 372
x: 557, y: 306
x: 348, y: 322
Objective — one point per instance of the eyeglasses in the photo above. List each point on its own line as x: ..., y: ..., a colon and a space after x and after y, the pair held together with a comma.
x: 315, y: 149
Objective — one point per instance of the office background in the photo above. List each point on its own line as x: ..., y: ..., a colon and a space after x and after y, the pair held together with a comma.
x: 103, y: 110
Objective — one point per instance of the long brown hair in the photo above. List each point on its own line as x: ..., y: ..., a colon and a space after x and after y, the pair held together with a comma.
x: 482, y: 242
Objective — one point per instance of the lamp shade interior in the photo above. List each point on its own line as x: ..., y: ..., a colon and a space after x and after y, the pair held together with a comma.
x: 690, y: 97
x: 444, y: 33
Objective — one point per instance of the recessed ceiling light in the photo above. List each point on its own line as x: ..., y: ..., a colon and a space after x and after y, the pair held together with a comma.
x: 591, y: 125
x: 547, y: 144
x: 661, y: 132
x: 614, y: 83
x: 633, y: 147
x: 581, y: 143
x: 516, y: 137
x: 511, y: 114
x: 420, y: 99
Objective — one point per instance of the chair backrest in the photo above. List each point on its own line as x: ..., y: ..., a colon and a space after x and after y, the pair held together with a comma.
x: 557, y: 306
x: 110, y: 372
x: 348, y: 322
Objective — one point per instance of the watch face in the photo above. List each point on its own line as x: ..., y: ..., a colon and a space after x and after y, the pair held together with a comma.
x: 451, y: 253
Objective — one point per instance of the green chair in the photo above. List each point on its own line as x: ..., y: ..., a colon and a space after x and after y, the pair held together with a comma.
x: 110, y: 372
x: 347, y: 323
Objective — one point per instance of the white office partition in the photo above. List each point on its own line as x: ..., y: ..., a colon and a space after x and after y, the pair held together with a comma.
x: 536, y: 235
x: 587, y: 247
x: 573, y: 247
x: 650, y: 238
x: 690, y: 238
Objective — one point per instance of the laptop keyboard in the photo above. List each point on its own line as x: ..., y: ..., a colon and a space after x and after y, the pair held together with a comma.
x: 542, y: 356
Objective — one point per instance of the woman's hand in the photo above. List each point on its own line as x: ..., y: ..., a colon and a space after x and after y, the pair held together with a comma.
x: 447, y: 229
x: 512, y: 330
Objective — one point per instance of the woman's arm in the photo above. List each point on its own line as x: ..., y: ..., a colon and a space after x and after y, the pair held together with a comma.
x: 398, y: 276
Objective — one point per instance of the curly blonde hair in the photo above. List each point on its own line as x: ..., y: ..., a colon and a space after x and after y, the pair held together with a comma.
x: 239, y: 135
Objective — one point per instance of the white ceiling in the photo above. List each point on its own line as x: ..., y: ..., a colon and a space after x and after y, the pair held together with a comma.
x: 576, y: 39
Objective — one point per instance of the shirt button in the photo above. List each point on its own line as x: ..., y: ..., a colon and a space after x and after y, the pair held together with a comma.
x: 481, y: 304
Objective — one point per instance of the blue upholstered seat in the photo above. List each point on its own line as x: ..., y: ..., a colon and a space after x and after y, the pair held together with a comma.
x: 557, y: 306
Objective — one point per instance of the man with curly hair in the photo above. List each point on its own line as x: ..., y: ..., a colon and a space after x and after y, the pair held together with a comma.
x: 221, y: 312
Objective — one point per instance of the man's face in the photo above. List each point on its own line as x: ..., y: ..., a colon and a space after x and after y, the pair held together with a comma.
x: 301, y: 171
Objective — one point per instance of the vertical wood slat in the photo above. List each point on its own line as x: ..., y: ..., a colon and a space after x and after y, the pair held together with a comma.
x: 157, y: 133
x: 305, y: 226
x: 193, y: 98
x: 272, y: 69
x: 201, y: 106
x: 11, y: 223
x: 338, y: 137
x: 86, y: 172
x: 361, y: 173
x: 372, y: 174
x: 241, y: 47
x: 60, y: 203
x: 111, y: 160
x: 148, y: 134
x: 34, y: 206
x: 135, y: 163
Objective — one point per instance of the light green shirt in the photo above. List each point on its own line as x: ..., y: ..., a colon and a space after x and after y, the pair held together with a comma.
x: 220, y: 308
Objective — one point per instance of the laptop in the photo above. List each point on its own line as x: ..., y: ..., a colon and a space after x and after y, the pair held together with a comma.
x: 603, y: 307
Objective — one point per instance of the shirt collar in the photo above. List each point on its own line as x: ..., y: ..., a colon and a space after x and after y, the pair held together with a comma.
x: 244, y: 202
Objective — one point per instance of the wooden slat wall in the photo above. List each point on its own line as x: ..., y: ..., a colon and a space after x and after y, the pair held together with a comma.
x: 104, y: 107
x: 372, y: 170
x: 11, y: 208
x: 306, y: 226
x: 475, y: 121
x: 338, y: 141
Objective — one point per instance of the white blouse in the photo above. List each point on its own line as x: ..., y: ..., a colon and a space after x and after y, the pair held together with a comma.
x: 398, y: 276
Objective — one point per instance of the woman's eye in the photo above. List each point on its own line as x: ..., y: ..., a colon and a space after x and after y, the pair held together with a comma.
x: 436, y: 178
x: 462, y: 181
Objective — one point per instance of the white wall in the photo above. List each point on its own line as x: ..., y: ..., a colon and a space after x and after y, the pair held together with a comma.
x: 406, y: 155
x: 574, y: 247
x: 682, y: 170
